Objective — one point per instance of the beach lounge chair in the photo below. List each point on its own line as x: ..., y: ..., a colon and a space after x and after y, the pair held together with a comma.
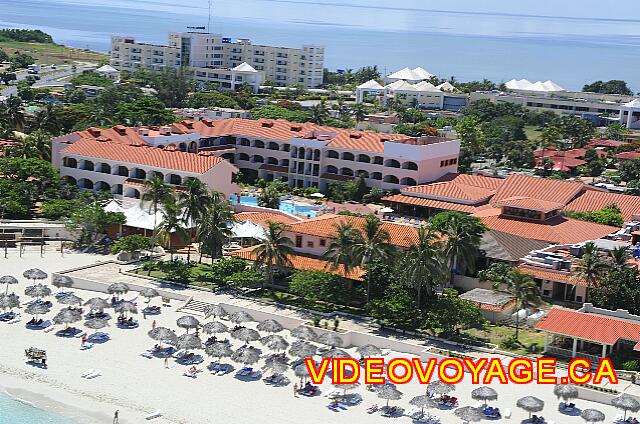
x: 372, y: 409
x: 86, y: 346
x: 93, y: 375
x: 354, y: 399
x: 506, y: 413
x: 87, y: 372
x: 244, y: 371
x: 147, y: 354
x: 153, y: 415
x: 224, y: 369
x: 333, y: 393
x: 256, y: 374
x: 80, y: 334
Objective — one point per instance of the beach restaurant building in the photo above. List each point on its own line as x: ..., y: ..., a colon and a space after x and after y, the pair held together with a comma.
x: 590, y: 332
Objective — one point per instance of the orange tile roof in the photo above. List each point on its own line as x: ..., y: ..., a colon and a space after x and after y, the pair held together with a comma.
x: 553, y: 275
x: 555, y: 230
x: 628, y: 155
x: 262, y: 218
x: 589, y: 326
x: 325, y: 226
x: 307, y: 263
x: 561, y: 163
x: 529, y: 203
x: 538, y: 188
x: 119, y: 134
x: 603, y: 142
x: 429, y: 203
x: 451, y: 190
x: 595, y: 200
x: 144, y: 155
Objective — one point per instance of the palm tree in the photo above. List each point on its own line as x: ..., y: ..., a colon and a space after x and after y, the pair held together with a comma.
x: 46, y: 119
x: 372, y: 244
x: 214, y: 230
x: 156, y: 191
x: 359, y: 112
x: 274, y: 250
x: 14, y: 112
x: 463, y: 235
x: 340, y: 249
x: 172, y: 223
x: 425, y: 264
x: 319, y: 113
x: 193, y: 201
x: 619, y: 257
x: 36, y: 145
x: 522, y: 288
x: 270, y: 197
x: 591, y: 266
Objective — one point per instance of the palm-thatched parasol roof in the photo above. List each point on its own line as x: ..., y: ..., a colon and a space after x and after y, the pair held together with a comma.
x: 245, y: 334
x: 62, y: 281
x: 276, y: 364
x: 305, y: 333
x: 149, y: 293
x: 592, y: 416
x: 369, y: 350
x: 214, y: 327
x: 240, y: 317
x: 97, y: 304
x: 214, y: 311
x: 334, y: 352
x: 469, y: 414
x: 218, y: 350
x: 302, y: 349
x: 301, y: 371
x: 270, y: 326
x: 530, y: 404
x: 484, y: 394
x: 274, y: 342
x: 8, y: 279
x: 34, y: 274
x: 440, y: 388
x: 188, y: 322
x: 67, y: 316
x: 163, y: 334
x: 389, y: 392
x: 38, y: 291
x: 71, y: 299
x: 117, y: 288
x: 36, y: 309
x: 96, y: 323
x: 331, y: 339
x: 9, y: 301
x: 626, y: 403
x: 125, y: 307
x: 188, y: 342
x: 565, y: 391
x: 423, y: 401
x: 246, y: 355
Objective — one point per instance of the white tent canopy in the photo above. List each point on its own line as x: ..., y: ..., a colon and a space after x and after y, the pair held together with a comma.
x: 416, y: 74
x: 247, y: 229
x: 244, y: 67
x: 371, y: 85
x: 136, y: 216
x: 526, y: 85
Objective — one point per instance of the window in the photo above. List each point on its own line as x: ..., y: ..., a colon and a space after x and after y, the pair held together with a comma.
x: 310, y: 244
x: 323, y: 242
x: 298, y: 241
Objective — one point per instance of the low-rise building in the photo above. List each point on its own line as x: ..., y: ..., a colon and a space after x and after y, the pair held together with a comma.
x: 210, y: 113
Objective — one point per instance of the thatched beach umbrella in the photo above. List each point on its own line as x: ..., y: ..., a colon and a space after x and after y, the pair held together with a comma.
x: 530, y: 404
x: 163, y: 335
x: 348, y: 386
x: 274, y: 342
x: 189, y: 342
x: 565, y: 391
x: 96, y: 323
x: 592, y: 416
x: 305, y: 333
x: 246, y: 355
x: 331, y: 339
x: 34, y: 274
x: 8, y: 279
x: 36, y: 309
x: 423, y: 401
x: 389, y: 392
x: 469, y: 414
x: 71, y: 299
x: 214, y: 327
x: 626, y: 403
x: 270, y: 326
x: 97, y: 304
x: 38, y: 291
x: 245, y: 334
x: 369, y: 350
x: 60, y: 281
x: 67, y: 316
x: 440, y: 388
x: 125, y: 308
x: 9, y: 301
x: 302, y: 349
x: 334, y: 352
x: 219, y: 350
x: 149, y: 293
x: 117, y: 289
x: 276, y: 364
x: 484, y: 394
x: 301, y: 371
x: 214, y: 311
x: 240, y: 317
x: 188, y: 322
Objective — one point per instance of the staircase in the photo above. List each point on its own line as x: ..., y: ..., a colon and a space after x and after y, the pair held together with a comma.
x: 195, y: 307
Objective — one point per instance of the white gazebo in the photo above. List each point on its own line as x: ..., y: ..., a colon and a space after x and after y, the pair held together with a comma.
x: 371, y: 86
x: 412, y: 76
x: 108, y: 71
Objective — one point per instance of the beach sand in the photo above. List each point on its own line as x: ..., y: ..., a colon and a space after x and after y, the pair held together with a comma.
x: 137, y: 386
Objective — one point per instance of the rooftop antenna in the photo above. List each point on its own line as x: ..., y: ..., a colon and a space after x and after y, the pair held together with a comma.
x: 209, y: 24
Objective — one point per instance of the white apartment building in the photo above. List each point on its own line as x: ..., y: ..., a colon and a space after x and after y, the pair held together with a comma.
x: 210, y: 113
x: 120, y: 161
x: 283, y: 65
x: 304, y: 155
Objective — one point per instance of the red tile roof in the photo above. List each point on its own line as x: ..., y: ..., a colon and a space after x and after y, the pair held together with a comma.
x: 261, y: 218
x: 595, y: 200
x: 429, y: 203
x: 589, y: 326
x: 143, y: 155
x: 629, y: 155
x: 538, y: 188
x: 307, y: 263
x: 325, y: 226
x: 561, y: 163
x: 529, y: 203
x: 553, y: 275
x: 603, y: 142
x: 555, y: 230
x: 118, y: 134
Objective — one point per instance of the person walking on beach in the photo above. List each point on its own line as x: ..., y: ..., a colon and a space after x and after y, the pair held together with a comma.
x: 295, y: 390
x: 166, y: 362
x: 153, y: 325
x: 115, y: 417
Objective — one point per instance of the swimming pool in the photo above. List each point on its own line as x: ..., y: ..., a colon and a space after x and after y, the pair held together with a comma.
x: 287, y: 206
x: 15, y: 412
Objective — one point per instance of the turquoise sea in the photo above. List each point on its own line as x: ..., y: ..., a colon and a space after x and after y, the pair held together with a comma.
x: 571, y: 41
x: 15, y: 412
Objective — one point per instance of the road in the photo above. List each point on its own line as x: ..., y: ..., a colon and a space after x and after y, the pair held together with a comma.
x: 52, y: 75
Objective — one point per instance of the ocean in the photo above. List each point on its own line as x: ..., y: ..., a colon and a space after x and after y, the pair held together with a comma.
x: 571, y: 42
x: 16, y: 412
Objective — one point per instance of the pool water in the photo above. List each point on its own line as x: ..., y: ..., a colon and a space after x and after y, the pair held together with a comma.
x: 16, y: 412
x: 287, y: 206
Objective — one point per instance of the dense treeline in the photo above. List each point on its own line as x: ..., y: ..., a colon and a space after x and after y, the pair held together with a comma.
x: 25, y: 35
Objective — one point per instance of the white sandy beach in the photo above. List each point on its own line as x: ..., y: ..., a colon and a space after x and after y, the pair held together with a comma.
x: 137, y: 386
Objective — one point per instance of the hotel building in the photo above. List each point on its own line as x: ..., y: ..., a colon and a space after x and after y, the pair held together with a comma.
x: 208, y: 54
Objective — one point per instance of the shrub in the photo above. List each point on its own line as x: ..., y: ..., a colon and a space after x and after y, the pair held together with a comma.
x: 245, y: 279
x: 631, y: 365
x: 132, y: 243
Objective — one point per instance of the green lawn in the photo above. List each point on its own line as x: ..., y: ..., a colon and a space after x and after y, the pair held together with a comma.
x: 198, y: 276
x: 495, y: 334
x: 293, y: 300
x: 53, y: 53
x: 532, y: 132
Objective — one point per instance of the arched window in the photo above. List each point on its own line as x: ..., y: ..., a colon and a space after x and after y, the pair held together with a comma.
x: 258, y: 159
x: 410, y: 165
x: 70, y: 163
x: 391, y: 179
x: 174, y: 179
x: 116, y: 189
x: 245, y: 142
x: 273, y: 146
x: 243, y: 156
x: 132, y: 193
x: 87, y: 165
x: 332, y: 169
x: 70, y: 180
x: 104, y: 168
x: 408, y: 181
x: 228, y: 156
x: 362, y: 173
x: 85, y: 183
x: 376, y: 176
x: 364, y: 158
x: 377, y: 160
x: 156, y: 174
x: 272, y: 161
x: 348, y: 156
x: 346, y: 171
x: 333, y: 154
x: 139, y: 174
x: 284, y: 162
x: 182, y: 147
x: 392, y: 163
x: 258, y: 144
x: 193, y: 147
x: 101, y: 186
x: 316, y: 155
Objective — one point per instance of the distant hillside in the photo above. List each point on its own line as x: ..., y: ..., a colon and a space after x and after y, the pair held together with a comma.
x: 25, y: 35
